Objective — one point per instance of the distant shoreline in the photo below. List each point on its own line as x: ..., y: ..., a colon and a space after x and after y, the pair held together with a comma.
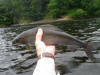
x: 52, y: 21
x: 44, y: 21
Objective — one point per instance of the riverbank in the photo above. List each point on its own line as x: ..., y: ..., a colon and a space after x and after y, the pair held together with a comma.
x: 46, y: 21
x: 65, y: 19
x: 52, y: 21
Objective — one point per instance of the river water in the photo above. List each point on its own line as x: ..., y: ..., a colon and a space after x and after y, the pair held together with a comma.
x: 17, y: 60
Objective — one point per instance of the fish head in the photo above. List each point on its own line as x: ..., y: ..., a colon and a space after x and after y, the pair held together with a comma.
x: 19, y: 41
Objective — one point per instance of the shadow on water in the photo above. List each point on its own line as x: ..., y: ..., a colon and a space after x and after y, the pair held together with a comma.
x: 16, y: 60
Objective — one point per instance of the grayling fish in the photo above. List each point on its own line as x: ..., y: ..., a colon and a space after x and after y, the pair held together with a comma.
x: 52, y: 36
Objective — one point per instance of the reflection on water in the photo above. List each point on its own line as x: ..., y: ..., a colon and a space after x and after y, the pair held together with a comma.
x: 16, y: 60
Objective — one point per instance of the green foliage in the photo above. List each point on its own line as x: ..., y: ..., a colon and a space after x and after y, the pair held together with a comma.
x: 77, y: 13
x: 97, y: 13
x: 38, y: 9
x: 56, y: 8
x: 4, y: 20
x: 74, y: 8
x: 23, y: 11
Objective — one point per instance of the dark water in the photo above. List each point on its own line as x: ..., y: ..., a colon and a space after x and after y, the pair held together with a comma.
x: 16, y: 60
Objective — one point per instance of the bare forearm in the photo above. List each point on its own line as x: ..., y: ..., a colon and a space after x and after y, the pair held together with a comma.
x: 45, y: 66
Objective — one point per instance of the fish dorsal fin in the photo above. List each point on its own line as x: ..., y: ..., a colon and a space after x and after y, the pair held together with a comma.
x: 50, y: 27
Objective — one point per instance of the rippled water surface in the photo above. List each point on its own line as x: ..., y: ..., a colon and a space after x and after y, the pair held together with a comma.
x: 16, y: 60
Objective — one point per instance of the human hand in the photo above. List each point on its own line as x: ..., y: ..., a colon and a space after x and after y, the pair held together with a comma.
x: 41, y: 47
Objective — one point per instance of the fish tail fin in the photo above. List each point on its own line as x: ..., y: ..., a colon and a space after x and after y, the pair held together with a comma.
x: 94, y: 45
x: 89, y: 54
x: 89, y: 51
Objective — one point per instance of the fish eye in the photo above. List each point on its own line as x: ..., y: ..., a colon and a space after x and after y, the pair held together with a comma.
x: 18, y: 41
x: 15, y: 41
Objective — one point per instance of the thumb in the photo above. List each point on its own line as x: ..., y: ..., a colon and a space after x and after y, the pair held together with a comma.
x: 39, y: 34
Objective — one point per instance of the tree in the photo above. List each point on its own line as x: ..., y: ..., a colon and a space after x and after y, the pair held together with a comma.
x: 38, y: 8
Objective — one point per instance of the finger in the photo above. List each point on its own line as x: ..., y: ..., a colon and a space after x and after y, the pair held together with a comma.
x: 38, y: 37
x: 41, y: 46
x: 38, y: 43
x: 39, y: 34
x: 51, y: 49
